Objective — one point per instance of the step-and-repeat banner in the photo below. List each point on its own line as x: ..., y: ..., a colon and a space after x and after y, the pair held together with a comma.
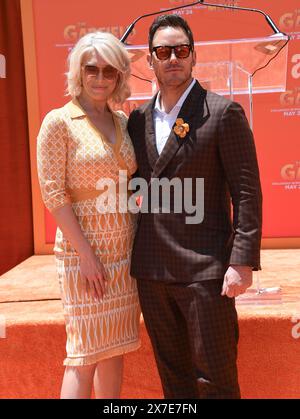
x: 55, y: 25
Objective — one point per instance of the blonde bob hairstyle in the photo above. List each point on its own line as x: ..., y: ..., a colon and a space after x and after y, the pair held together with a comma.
x: 112, y: 51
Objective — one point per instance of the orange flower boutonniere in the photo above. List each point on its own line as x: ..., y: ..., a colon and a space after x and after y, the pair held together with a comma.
x: 181, y: 128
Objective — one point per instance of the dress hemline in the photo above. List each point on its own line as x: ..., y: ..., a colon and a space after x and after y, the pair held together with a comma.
x: 100, y: 356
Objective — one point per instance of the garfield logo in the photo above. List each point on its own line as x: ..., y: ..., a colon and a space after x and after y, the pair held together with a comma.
x: 296, y: 328
x: 291, y: 172
x: 72, y: 33
x: 296, y: 67
x: 290, y: 97
x: 183, y: 2
x: 180, y: 2
x: 2, y: 327
x: 290, y: 21
x: 2, y: 67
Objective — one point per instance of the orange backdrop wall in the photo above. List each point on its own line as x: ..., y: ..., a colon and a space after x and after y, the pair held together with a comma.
x: 16, y: 232
x: 55, y: 25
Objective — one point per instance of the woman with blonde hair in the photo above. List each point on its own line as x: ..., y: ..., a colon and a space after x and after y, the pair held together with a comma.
x: 79, y: 145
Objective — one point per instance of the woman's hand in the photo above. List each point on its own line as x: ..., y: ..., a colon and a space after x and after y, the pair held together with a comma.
x: 91, y: 269
x: 93, y: 275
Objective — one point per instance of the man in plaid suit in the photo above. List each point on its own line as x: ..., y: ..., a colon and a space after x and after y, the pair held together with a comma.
x: 189, y: 273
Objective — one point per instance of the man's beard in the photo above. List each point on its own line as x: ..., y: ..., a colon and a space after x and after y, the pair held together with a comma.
x: 173, y: 82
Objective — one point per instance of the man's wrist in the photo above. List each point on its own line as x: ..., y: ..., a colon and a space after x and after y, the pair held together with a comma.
x: 235, y: 265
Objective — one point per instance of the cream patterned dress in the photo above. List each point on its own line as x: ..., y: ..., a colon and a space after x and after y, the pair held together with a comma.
x: 72, y: 157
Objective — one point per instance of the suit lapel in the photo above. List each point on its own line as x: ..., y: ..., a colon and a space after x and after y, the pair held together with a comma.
x: 192, y: 109
x: 150, y: 134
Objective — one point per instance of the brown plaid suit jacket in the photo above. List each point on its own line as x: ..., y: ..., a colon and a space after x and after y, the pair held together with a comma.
x: 219, y: 148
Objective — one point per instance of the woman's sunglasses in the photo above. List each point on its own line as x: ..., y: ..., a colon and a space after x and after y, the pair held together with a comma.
x: 109, y: 72
x: 164, y: 52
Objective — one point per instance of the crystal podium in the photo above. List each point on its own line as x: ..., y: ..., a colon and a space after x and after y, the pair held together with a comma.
x: 237, y: 69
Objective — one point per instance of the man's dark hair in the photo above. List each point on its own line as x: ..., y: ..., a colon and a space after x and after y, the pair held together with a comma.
x: 173, y: 20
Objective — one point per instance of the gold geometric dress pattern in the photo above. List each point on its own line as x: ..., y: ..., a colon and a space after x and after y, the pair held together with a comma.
x: 73, y: 155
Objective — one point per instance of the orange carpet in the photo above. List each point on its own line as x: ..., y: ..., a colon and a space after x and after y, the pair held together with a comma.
x: 32, y: 351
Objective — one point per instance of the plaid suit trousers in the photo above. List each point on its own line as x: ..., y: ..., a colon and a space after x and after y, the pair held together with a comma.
x: 194, y: 334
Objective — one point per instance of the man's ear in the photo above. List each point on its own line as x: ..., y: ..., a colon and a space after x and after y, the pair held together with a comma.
x: 194, y: 58
x: 149, y: 59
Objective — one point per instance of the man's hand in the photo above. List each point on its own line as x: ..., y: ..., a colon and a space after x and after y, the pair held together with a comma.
x: 236, y: 280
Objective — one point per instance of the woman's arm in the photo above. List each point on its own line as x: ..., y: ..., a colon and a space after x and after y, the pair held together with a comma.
x: 52, y: 158
x: 91, y: 269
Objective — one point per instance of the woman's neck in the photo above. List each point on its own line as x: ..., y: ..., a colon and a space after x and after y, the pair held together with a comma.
x: 93, y: 106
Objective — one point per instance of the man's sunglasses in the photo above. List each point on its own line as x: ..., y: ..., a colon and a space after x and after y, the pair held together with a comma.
x: 109, y: 72
x: 164, y: 52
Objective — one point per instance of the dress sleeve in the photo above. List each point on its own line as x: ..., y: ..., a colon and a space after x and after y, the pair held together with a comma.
x: 51, y: 161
